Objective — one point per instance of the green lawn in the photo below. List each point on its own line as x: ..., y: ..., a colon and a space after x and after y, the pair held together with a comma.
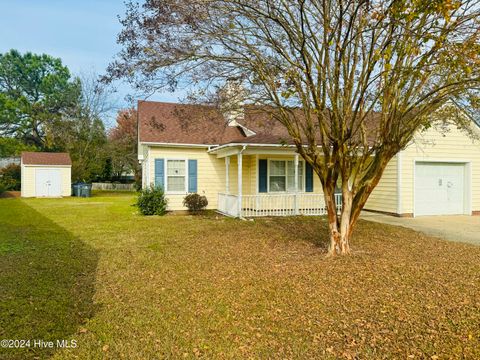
x: 130, y: 287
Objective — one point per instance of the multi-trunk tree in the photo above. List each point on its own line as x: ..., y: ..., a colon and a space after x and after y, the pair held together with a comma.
x: 351, y: 81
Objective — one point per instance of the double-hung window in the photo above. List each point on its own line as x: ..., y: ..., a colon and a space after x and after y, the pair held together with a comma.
x: 176, y: 176
x: 291, y: 176
x: 278, y: 175
x: 282, y: 176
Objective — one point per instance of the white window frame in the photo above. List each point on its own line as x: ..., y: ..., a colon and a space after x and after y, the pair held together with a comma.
x: 286, y: 176
x: 165, y: 181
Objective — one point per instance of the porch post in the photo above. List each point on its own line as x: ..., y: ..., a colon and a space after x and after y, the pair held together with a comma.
x: 227, y: 174
x: 239, y: 204
x: 296, y: 183
x: 257, y: 199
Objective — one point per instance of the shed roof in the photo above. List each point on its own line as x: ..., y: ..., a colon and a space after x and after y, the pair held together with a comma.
x: 45, y: 158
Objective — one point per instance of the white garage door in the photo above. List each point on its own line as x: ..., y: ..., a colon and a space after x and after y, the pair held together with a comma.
x: 439, y: 188
x: 48, y: 182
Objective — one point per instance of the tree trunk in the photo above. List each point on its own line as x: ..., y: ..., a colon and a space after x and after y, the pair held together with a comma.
x: 340, y: 226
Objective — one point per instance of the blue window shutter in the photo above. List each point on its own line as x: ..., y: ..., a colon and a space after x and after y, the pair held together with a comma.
x: 192, y: 176
x: 159, y: 173
x: 262, y: 176
x: 308, y: 178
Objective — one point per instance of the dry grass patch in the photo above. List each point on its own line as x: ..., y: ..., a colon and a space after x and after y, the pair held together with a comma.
x: 187, y: 286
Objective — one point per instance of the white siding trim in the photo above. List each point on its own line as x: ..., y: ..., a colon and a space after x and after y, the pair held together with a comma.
x: 48, y: 166
x: 227, y: 174
x: 399, y: 183
x: 160, y: 144
x: 239, y: 181
x: 257, y: 162
x: 22, y: 179
x: 148, y: 182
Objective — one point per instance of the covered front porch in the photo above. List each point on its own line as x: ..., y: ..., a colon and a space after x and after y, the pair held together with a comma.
x: 274, y: 205
x: 269, y: 181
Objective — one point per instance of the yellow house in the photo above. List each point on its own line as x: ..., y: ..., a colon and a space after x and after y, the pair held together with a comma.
x: 246, y: 166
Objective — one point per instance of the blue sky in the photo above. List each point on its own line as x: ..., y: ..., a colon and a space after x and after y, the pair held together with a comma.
x: 81, y: 33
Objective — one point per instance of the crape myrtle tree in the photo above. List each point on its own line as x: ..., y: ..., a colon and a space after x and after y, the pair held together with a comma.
x: 351, y: 81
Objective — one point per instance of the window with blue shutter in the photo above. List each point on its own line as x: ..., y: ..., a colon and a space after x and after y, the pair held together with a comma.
x: 192, y: 176
x: 308, y: 178
x: 262, y: 175
x: 160, y: 173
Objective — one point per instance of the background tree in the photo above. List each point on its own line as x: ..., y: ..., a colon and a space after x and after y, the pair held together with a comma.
x: 10, y: 177
x: 353, y: 80
x: 43, y: 107
x: 123, y: 142
x: 35, y: 92
x: 85, y: 140
x: 13, y: 147
x: 107, y: 173
x: 81, y: 131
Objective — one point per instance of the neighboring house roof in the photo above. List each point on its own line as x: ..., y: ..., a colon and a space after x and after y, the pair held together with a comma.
x: 45, y: 158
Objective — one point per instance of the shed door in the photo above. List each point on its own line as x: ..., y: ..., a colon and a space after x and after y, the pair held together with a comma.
x: 48, y: 182
x: 439, y: 188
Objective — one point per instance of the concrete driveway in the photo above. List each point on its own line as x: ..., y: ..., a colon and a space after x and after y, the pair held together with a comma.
x: 460, y: 228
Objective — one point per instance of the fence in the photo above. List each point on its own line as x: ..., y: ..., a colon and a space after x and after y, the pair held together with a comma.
x: 113, y: 186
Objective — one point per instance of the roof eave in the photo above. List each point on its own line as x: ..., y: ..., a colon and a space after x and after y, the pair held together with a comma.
x: 44, y: 165
x: 164, y: 144
x: 224, y: 146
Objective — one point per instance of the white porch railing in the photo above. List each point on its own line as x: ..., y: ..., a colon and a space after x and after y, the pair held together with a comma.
x: 228, y: 204
x: 275, y: 204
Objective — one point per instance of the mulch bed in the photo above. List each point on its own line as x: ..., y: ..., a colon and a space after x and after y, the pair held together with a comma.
x: 10, y: 194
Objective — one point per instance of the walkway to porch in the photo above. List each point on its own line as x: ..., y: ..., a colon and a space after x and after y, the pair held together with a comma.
x: 274, y: 204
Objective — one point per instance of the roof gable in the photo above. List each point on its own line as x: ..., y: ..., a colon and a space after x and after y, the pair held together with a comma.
x: 183, y: 124
x: 160, y: 122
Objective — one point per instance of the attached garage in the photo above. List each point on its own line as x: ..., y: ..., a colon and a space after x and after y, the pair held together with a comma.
x: 46, y: 174
x: 437, y: 174
x: 441, y: 188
